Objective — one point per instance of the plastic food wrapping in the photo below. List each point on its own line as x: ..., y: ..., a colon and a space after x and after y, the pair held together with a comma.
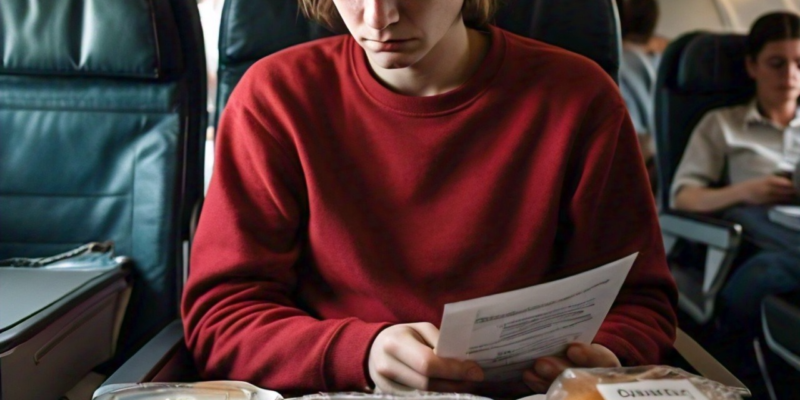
x: 638, y: 383
x: 415, y: 395
x: 236, y: 390
x: 211, y: 390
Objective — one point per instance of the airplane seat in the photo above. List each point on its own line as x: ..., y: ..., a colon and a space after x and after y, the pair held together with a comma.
x: 252, y: 29
x: 780, y: 318
x: 589, y: 28
x: 102, y: 115
x: 698, y: 72
x: 592, y: 32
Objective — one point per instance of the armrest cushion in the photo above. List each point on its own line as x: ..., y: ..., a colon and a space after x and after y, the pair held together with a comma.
x: 700, y: 228
x: 150, y: 359
x: 704, y: 363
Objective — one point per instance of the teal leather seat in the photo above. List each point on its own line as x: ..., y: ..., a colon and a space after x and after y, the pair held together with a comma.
x: 253, y: 29
x: 698, y: 72
x: 102, y: 126
x: 589, y: 28
x: 279, y: 25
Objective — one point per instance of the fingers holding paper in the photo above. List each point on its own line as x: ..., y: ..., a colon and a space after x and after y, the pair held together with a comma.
x: 578, y: 355
x: 402, y: 359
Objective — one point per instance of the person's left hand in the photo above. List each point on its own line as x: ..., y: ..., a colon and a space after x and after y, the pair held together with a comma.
x: 578, y: 355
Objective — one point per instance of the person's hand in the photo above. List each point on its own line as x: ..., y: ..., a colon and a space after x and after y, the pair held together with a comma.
x: 402, y: 359
x: 579, y: 355
x: 767, y: 190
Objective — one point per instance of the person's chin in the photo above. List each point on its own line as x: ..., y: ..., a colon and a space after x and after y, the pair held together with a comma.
x: 387, y: 60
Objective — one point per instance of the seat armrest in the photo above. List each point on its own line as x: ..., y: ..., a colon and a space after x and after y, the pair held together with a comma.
x: 780, y: 318
x: 698, y: 287
x: 701, y: 228
x: 705, y: 364
x: 149, y: 360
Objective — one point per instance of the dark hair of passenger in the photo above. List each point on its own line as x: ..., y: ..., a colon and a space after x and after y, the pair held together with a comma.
x: 637, y: 19
x: 477, y: 13
x: 770, y: 28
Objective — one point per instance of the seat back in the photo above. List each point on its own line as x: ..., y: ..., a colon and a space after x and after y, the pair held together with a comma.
x: 698, y: 72
x: 102, y: 116
x: 253, y: 29
x: 590, y: 28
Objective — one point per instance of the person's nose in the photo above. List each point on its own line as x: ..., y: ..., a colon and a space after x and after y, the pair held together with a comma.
x: 378, y: 14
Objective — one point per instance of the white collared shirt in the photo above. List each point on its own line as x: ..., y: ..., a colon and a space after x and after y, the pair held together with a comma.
x: 752, y: 145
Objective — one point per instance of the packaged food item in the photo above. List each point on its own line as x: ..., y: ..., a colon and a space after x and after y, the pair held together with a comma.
x: 236, y: 390
x: 638, y: 383
x: 413, y: 395
x: 211, y: 390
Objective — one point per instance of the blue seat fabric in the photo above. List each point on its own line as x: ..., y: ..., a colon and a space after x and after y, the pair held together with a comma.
x: 101, y: 126
x: 698, y: 72
x: 254, y: 29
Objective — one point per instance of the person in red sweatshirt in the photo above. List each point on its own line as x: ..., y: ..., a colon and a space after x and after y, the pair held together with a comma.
x: 363, y: 181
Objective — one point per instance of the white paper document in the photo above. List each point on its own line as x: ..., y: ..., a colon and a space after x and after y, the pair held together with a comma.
x: 505, y: 333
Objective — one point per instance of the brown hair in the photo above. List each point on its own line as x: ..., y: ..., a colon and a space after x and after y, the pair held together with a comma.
x: 769, y: 28
x: 477, y: 13
x: 638, y: 19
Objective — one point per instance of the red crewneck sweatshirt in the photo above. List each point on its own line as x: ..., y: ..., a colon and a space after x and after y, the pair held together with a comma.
x: 338, y: 207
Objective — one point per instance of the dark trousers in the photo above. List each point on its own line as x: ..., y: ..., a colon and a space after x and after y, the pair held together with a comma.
x: 774, y: 269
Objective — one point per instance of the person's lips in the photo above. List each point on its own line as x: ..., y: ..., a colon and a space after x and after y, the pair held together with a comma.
x: 388, y: 44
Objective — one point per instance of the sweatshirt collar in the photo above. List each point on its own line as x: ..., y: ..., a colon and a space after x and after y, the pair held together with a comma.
x: 429, y: 106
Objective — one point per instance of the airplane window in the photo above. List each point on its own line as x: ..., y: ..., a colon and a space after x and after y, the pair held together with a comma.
x: 210, y: 17
x: 680, y: 16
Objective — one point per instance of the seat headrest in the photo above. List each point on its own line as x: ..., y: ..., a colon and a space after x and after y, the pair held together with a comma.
x: 585, y: 27
x: 90, y: 38
x: 713, y: 63
x: 245, y: 37
x: 589, y: 28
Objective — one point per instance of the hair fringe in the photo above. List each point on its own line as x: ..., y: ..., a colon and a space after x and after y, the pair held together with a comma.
x: 771, y: 27
x: 476, y: 13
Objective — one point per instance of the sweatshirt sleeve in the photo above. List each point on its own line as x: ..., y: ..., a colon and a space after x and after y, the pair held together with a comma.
x: 611, y: 214
x: 239, y: 314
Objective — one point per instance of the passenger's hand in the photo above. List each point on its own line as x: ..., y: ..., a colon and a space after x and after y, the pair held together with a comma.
x: 402, y: 359
x: 767, y: 190
x: 579, y: 355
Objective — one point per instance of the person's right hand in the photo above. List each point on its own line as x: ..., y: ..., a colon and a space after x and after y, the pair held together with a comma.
x: 767, y: 190
x: 402, y: 359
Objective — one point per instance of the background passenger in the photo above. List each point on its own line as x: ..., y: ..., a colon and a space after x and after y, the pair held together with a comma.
x: 365, y: 180
x: 641, y: 52
x: 638, y: 20
x: 639, y: 62
x: 759, y: 142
